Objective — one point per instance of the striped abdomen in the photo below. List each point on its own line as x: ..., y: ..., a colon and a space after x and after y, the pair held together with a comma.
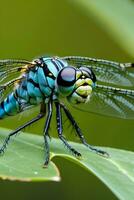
x: 9, y: 106
x: 37, y: 86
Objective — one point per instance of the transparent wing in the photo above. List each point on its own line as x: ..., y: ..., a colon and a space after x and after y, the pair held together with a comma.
x: 110, y: 101
x: 6, y: 88
x: 10, y: 69
x: 113, y: 73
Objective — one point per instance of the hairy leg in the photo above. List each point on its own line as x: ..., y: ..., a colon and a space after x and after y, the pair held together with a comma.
x: 46, y: 134
x: 80, y: 135
x: 60, y: 131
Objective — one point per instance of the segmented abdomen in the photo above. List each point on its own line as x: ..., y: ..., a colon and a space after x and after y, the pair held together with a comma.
x: 9, y: 106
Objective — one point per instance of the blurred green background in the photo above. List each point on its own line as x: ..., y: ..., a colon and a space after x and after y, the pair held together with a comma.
x: 29, y: 29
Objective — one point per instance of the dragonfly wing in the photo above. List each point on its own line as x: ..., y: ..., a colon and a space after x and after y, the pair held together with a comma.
x: 6, y: 88
x: 110, y: 101
x: 119, y: 74
x: 10, y: 69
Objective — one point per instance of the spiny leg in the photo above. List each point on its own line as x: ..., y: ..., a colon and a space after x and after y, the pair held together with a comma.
x: 37, y: 118
x: 60, y: 130
x: 46, y: 134
x: 79, y: 133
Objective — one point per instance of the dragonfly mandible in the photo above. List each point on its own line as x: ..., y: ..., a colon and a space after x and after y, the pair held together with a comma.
x: 94, y: 85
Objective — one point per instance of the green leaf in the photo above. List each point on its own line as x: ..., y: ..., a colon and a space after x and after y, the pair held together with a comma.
x: 116, y: 17
x: 24, y: 159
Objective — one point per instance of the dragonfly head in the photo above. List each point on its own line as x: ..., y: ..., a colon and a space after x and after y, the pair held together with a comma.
x: 76, y: 84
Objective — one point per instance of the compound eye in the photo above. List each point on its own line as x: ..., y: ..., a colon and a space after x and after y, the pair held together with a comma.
x: 66, y: 77
x: 89, y: 72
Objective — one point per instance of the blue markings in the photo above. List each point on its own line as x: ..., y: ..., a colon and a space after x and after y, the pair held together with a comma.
x: 51, y: 82
x: 52, y: 68
x: 37, y: 85
x: 2, y: 112
x: 61, y: 63
x: 43, y: 83
x: 22, y: 91
x: 12, y: 105
x: 9, y: 106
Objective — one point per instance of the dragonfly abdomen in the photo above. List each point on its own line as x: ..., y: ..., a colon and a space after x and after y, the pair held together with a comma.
x: 9, y: 106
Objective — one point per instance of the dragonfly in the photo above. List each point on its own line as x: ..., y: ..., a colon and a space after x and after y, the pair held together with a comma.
x: 89, y: 84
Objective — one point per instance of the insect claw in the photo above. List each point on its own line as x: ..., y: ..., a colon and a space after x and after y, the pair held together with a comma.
x: 45, y: 165
x: 78, y: 155
x: 75, y: 153
x: 103, y: 153
x: 1, y: 151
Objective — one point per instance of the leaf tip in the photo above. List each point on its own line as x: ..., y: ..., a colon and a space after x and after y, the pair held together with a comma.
x: 56, y: 178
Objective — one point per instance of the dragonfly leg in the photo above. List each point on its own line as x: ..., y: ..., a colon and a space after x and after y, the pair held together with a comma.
x: 59, y: 128
x: 80, y: 135
x: 37, y: 118
x: 46, y: 134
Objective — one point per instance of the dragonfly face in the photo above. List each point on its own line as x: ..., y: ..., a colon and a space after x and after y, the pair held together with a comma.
x: 73, y: 77
x: 76, y: 84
